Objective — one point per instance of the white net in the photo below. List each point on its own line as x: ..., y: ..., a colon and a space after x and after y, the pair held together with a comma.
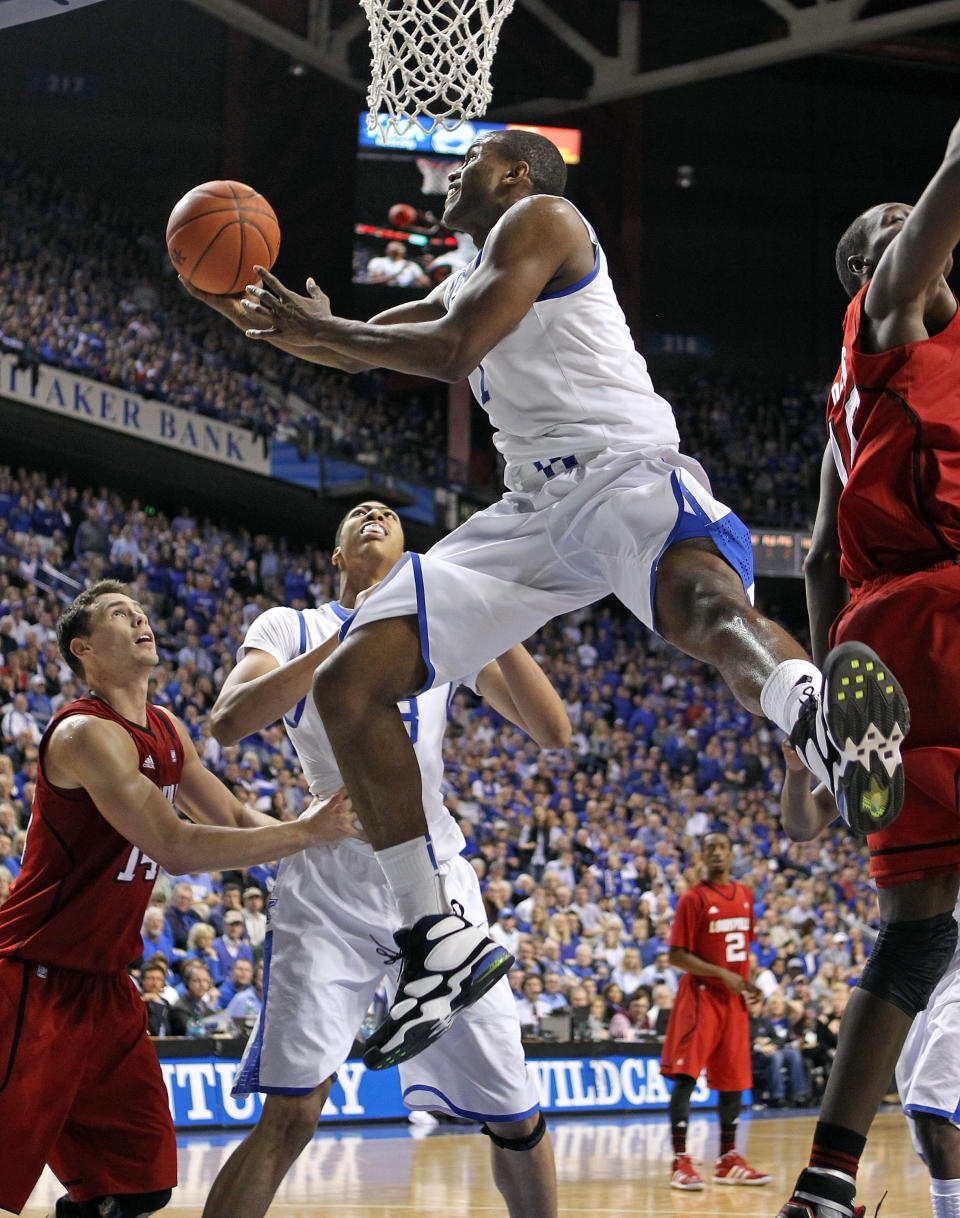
x: 430, y: 60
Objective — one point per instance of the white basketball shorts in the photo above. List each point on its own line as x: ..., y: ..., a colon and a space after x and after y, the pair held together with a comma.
x: 329, y: 939
x: 928, y: 1072
x: 565, y: 540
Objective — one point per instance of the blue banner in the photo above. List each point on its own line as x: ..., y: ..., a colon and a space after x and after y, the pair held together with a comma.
x: 199, y: 1090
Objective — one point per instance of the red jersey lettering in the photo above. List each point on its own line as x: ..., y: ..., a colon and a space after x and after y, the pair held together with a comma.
x: 716, y: 924
x: 894, y: 423
x: 82, y: 891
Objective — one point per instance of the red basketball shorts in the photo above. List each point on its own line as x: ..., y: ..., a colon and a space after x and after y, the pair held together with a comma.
x: 80, y: 1086
x: 913, y: 623
x: 709, y: 1029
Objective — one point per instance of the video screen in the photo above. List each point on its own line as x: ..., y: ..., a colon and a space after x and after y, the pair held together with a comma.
x: 399, y: 244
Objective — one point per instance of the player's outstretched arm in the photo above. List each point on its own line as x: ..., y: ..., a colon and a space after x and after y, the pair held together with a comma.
x: 918, y: 255
x: 516, y: 686
x: 259, y: 690
x: 535, y: 240
x: 232, y: 309
x: 101, y: 757
x: 208, y: 802
x: 827, y: 592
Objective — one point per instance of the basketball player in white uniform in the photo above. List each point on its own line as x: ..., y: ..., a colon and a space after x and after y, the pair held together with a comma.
x: 928, y: 1070
x: 331, y: 916
x: 599, y: 500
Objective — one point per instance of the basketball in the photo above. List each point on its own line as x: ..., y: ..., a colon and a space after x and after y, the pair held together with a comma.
x: 402, y: 215
x: 218, y: 232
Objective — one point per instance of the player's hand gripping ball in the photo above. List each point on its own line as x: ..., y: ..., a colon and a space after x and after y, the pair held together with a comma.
x: 218, y: 232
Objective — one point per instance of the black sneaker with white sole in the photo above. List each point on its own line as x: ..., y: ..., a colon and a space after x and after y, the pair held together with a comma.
x: 448, y: 963
x: 823, y: 1194
x: 849, y: 737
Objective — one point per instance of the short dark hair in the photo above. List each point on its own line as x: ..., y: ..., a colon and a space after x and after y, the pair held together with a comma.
x: 852, y: 242
x: 548, y: 173
x: 717, y: 833
x: 74, y: 622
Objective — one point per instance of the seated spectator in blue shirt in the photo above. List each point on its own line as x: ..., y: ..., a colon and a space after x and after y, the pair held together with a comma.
x: 201, y: 946
x: 247, y: 1002
x: 181, y: 915
x: 231, y: 945
x: 7, y: 857
x: 764, y: 949
x: 553, y: 998
x: 241, y: 978
x: 232, y: 899
x: 155, y: 934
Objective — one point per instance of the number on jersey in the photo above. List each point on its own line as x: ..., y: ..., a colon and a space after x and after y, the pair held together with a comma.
x: 137, y: 858
x: 736, y: 942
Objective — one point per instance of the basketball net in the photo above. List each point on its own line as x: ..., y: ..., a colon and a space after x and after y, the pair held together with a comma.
x: 431, y: 60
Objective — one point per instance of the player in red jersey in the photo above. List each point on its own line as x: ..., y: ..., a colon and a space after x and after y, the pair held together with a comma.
x: 709, y: 1026
x: 78, y: 1076
x: 888, y: 535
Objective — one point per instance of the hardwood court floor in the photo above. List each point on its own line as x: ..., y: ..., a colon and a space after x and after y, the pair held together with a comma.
x: 608, y: 1167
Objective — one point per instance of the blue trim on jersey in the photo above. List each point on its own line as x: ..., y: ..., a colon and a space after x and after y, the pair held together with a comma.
x: 422, y: 615
x: 302, y: 704
x: 339, y: 610
x: 729, y: 534
x: 248, y: 1079
x: 910, y: 1109
x: 575, y: 287
x: 429, y: 844
x: 465, y: 1112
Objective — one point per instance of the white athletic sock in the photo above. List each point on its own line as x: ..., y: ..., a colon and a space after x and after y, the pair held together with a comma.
x: 945, y: 1198
x: 411, y: 871
x: 786, y: 688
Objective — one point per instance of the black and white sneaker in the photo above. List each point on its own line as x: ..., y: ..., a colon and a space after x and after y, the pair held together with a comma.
x: 849, y: 737
x: 448, y: 963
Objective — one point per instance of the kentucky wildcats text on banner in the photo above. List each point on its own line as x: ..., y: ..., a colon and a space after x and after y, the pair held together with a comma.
x: 76, y: 397
x: 199, y: 1090
x: 16, y: 12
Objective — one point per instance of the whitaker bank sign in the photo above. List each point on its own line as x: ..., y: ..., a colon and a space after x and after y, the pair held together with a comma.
x: 76, y: 397
x: 199, y: 1090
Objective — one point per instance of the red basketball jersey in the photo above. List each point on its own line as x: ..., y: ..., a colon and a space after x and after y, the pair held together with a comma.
x: 894, y: 422
x: 716, y: 924
x: 81, y: 894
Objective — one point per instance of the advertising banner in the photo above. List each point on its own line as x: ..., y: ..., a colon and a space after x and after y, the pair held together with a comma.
x: 76, y: 397
x: 199, y: 1090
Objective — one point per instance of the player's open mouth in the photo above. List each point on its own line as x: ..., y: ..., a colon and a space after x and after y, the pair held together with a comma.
x: 373, y: 529
x: 144, y: 638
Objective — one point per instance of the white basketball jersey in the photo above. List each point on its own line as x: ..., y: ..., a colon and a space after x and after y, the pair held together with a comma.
x: 288, y: 633
x: 568, y: 379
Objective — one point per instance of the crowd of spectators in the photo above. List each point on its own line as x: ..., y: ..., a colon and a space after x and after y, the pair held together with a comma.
x: 110, y: 308
x: 582, y: 854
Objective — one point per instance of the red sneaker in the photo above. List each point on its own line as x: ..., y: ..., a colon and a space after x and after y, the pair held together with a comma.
x: 732, y: 1168
x: 684, y: 1175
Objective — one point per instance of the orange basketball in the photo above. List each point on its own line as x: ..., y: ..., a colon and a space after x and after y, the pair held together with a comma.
x: 218, y: 232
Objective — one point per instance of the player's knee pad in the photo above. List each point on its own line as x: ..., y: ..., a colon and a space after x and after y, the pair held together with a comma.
x: 908, y: 960
x: 527, y: 1143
